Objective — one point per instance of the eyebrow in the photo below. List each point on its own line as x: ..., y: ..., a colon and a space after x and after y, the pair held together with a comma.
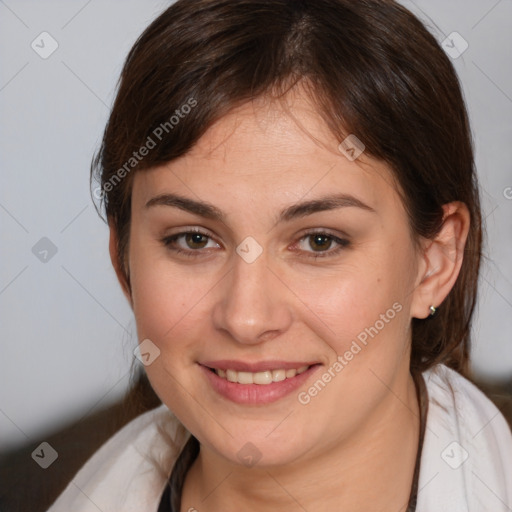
x: 209, y: 211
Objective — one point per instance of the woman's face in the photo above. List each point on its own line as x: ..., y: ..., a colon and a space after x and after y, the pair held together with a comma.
x: 301, y: 258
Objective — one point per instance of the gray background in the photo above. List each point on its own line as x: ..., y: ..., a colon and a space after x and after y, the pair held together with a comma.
x: 66, y: 330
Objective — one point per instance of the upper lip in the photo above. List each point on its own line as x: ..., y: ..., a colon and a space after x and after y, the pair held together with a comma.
x: 261, y: 366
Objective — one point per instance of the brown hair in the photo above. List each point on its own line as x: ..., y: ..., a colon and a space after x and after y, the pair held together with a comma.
x: 372, y: 70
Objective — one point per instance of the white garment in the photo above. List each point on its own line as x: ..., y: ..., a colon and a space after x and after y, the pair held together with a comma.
x: 466, y: 463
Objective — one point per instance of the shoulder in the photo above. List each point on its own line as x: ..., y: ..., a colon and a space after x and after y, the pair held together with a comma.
x: 129, y: 471
x: 466, y: 459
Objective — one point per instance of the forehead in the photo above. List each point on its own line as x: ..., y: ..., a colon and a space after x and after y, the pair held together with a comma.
x: 273, y: 152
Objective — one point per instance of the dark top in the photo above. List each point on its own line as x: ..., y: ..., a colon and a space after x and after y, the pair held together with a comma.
x: 171, y: 497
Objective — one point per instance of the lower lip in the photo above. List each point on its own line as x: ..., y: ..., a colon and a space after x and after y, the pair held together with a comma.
x: 255, y: 394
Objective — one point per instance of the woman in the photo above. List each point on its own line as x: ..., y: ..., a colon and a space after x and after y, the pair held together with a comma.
x: 295, y: 221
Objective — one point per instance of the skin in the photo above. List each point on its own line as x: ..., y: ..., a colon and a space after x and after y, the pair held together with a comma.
x: 353, y: 446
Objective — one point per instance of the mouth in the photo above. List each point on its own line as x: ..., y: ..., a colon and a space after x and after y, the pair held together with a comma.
x: 263, y: 378
x: 256, y: 383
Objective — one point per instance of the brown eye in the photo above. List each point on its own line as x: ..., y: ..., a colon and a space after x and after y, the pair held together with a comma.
x: 320, y: 242
x: 196, y: 240
x: 190, y: 243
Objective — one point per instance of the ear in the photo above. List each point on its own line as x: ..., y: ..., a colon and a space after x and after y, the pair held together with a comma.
x: 441, y: 260
x: 114, y: 258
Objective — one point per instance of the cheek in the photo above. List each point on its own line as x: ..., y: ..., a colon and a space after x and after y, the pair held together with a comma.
x: 169, y: 311
x: 167, y: 301
x: 358, y: 297
x: 362, y: 317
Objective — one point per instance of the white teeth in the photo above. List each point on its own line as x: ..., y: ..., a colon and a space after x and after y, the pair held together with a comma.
x: 278, y: 375
x: 244, y: 378
x: 262, y: 378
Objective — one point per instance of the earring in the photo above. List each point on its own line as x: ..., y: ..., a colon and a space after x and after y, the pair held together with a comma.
x: 432, y: 310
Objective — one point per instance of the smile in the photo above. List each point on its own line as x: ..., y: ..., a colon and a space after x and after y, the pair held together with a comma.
x: 262, y: 378
x: 256, y: 383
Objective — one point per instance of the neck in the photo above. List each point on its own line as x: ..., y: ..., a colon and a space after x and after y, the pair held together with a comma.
x: 372, y: 470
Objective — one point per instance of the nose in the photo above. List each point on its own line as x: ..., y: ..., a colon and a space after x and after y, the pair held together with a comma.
x: 253, y: 306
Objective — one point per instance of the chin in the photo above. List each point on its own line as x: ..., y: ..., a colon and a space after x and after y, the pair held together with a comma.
x: 261, y: 452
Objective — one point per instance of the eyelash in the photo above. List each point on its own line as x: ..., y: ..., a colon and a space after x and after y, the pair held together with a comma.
x: 169, y: 242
